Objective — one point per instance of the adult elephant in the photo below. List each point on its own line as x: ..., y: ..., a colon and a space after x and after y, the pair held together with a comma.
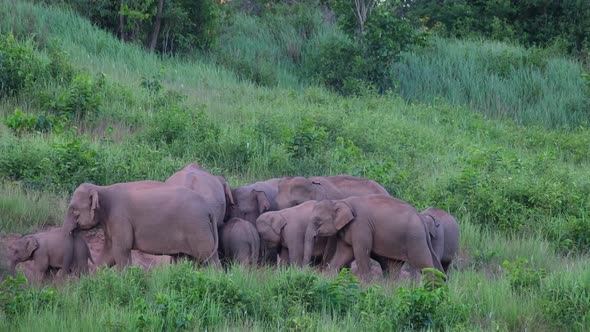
x: 293, y: 191
x: 296, y: 190
x: 254, y: 199
x: 444, y: 235
x: 379, y: 224
x: 151, y: 217
x: 285, y: 230
x: 213, y: 190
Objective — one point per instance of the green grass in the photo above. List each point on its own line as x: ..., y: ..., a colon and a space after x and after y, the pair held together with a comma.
x: 518, y: 191
x: 530, y: 86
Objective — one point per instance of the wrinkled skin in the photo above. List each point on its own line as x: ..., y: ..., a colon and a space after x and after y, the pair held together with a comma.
x: 376, y: 271
x: 293, y: 191
x: 379, y: 224
x: 240, y: 242
x: 86, y: 213
x: 155, y: 218
x: 250, y: 202
x: 47, y: 251
x: 254, y: 199
x: 296, y: 190
x: 214, y: 190
x: 285, y: 230
x: 444, y: 235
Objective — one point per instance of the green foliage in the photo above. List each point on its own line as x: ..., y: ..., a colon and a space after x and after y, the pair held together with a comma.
x: 531, y: 23
x: 530, y: 86
x: 359, y: 66
x: 20, y: 122
x: 111, y: 287
x: 566, y: 301
x: 522, y: 278
x: 19, y: 66
x: 16, y: 300
x: 185, y: 26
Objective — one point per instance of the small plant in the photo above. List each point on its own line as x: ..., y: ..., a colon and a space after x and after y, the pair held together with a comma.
x: 523, y: 278
x: 21, y: 122
x: 429, y: 305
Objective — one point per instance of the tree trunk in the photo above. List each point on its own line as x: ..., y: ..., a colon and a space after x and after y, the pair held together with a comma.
x: 122, y: 32
x: 157, y: 25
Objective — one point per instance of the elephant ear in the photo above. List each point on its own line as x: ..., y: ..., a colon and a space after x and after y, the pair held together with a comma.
x: 431, y: 224
x: 93, y: 203
x: 277, y: 223
x: 31, y: 244
x: 344, y: 215
x: 263, y: 202
x: 228, y: 195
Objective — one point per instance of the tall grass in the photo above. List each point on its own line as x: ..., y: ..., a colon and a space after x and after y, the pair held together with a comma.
x: 492, y: 174
x: 530, y: 86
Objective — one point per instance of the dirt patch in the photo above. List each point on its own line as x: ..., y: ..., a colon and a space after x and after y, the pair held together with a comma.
x: 95, y: 240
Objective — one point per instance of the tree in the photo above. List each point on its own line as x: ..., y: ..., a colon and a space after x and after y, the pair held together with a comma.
x: 157, y: 25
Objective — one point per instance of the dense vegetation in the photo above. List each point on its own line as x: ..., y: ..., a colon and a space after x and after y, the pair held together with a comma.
x: 493, y: 132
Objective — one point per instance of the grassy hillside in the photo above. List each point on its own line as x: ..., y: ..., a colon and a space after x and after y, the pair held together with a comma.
x: 518, y: 191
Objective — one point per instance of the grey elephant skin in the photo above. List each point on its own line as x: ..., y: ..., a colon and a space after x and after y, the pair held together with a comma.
x: 444, y: 233
x: 239, y: 242
x: 149, y: 216
x: 376, y: 270
x: 293, y: 191
x: 47, y: 251
x: 285, y: 230
x: 379, y: 224
x: 214, y: 190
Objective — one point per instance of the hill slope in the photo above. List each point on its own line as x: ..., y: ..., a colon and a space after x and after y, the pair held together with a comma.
x: 518, y: 191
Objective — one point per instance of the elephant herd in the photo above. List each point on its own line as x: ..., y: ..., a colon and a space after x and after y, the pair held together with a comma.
x: 329, y: 222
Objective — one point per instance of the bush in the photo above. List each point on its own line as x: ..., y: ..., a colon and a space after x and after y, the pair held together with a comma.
x: 20, y: 122
x: 18, y: 300
x: 19, y: 65
x: 523, y: 278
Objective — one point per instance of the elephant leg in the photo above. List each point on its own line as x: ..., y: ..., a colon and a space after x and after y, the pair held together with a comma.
x: 284, y: 256
x: 446, y: 266
x: 243, y: 255
x: 343, y: 256
x: 122, y: 253
x: 106, y: 256
x: 361, y: 247
x: 296, y: 256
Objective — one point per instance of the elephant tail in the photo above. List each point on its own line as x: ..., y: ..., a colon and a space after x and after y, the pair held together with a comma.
x: 435, y: 259
x: 213, y: 224
x: 254, y: 248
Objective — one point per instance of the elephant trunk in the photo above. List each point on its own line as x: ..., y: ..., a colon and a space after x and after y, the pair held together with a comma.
x: 310, y: 234
x: 69, y: 227
x: 12, y: 267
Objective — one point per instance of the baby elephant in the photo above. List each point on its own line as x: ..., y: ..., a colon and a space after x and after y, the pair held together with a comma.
x: 239, y: 241
x: 47, y: 251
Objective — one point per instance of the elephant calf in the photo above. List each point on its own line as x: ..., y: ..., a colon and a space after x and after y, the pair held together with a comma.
x: 444, y: 235
x: 47, y: 250
x: 239, y: 241
x: 285, y: 229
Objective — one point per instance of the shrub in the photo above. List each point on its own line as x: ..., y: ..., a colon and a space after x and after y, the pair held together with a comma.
x: 20, y: 122
x: 523, y: 278
x: 19, y: 65
x: 18, y: 300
